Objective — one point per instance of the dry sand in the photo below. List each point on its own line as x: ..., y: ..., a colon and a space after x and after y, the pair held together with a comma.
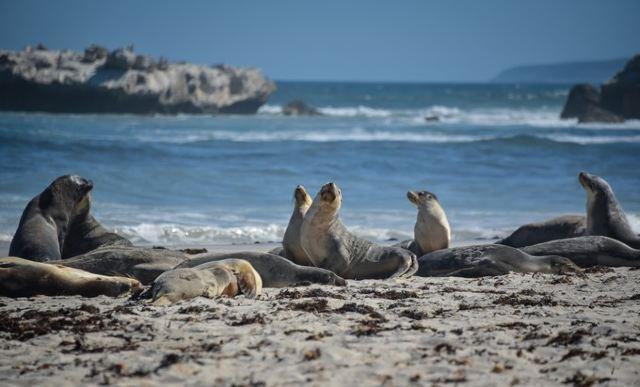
x: 518, y: 329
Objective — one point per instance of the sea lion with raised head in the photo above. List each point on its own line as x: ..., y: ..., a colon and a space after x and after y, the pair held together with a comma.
x: 24, y: 278
x: 489, y: 260
x: 291, y: 248
x: 46, y: 220
x: 587, y: 251
x: 143, y: 264
x: 228, y: 277
x: 275, y: 271
x: 431, y: 231
x: 331, y: 246
x: 605, y: 216
x: 86, y: 233
x: 566, y: 226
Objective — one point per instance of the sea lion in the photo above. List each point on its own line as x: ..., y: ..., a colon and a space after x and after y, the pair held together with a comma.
x: 589, y: 251
x: 86, y: 233
x: 275, y: 271
x: 489, y: 260
x: 143, y: 264
x: 24, y: 278
x: 330, y: 245
x: 227, y: 277
x: 45, y: 221
x: 432, y: 231
x: 291, y: 248
x: 566, y: 226
x: 604, y: 214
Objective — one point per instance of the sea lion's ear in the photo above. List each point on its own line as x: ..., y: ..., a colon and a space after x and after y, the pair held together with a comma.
x: 45, y: 199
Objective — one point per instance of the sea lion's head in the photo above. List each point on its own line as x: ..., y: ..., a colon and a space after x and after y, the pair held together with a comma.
x: 226, y: 276
x: 422, y: 198
x: 560, y: 265
x: 303, y: 199
x: 330, y: 196
x: 69, y: 194
x: 593, y: 185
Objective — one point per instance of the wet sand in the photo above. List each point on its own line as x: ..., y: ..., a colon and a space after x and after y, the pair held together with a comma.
x: 519, y: 329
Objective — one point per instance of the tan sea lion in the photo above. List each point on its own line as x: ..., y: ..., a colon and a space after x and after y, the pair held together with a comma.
x: 331, y: 246
x: 24, y: 278
x: 292, y: 249
x: 605, y: 215
x: 431, y: 231
x: 227, y: 277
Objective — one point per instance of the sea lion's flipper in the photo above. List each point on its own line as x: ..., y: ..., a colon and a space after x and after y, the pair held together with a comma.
x: 413, y: 268
x: 484, y: 268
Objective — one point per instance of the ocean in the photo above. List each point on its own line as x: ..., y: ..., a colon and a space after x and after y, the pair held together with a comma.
x: 498, y: 157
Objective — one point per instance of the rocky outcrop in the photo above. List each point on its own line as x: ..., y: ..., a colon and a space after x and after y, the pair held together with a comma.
x: 121, y: 81
x: 299, y: 108
x: 617, y: 100
x: 583, y: 103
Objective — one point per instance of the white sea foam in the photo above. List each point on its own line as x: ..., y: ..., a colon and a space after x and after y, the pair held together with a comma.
x: 180, y: 234
x: 443, y: 115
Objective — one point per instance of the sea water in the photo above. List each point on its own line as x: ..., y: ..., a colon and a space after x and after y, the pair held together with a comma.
x: 497, y: 156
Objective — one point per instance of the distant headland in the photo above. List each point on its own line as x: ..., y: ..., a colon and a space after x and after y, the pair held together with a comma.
x: 569, y: 72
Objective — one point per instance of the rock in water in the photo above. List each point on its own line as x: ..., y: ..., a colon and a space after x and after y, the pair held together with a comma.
x: 299, y: 108
x: 121, y: 81
x: 617, y: 100
x: 583, y: 103
x: 621, y: 95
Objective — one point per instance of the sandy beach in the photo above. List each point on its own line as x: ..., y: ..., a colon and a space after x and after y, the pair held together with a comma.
x: 519, y: 329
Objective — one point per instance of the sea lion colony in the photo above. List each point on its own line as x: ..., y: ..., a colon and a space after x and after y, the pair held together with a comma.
x: 59, y: 248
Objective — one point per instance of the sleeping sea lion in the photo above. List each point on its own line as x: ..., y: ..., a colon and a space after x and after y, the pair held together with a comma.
x: 489, y: 260
x: 227, y: 277
x: 24, y: 278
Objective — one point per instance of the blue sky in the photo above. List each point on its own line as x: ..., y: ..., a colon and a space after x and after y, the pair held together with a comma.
x: 338, y: 40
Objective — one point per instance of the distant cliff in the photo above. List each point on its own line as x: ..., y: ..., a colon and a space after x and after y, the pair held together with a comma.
x: 121, y: 81
x: 571, y: 72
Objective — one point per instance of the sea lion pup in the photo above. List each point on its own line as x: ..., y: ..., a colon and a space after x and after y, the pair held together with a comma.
x: 330, y: 245
x: 143, y: 264
x: 227, y: 277
x: 24, y: 278
x: 291, y: 247
x: 589, y: 251
x: 489, y: 260
x: 275, y: 271
x: 566, y: 226
x: 45, y: 221
x: 432, y: 231
x: 604, y: 214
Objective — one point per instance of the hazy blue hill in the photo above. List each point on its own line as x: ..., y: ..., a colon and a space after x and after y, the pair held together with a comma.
x: 595, y: 72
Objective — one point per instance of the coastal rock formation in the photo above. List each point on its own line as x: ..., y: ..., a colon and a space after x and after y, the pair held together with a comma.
x: 617, y: 100
x: 584, y: 102
x: 121, y: 81
x: 299, y: 108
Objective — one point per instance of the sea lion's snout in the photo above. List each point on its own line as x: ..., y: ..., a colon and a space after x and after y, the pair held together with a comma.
x: 586, y: 180
x: 86, y: 185
x: 329, y: 192
x: 413, y: 197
